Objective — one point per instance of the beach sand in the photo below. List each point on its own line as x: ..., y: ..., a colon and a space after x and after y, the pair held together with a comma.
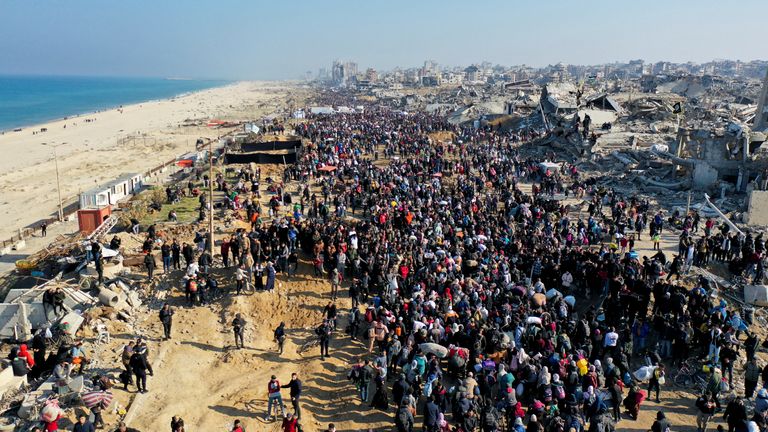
x: 135, y: 138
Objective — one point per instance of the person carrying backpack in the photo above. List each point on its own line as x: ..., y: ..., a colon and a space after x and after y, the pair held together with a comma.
x: 490, y: 419
x: 404, y: 419
x: 364, y: 380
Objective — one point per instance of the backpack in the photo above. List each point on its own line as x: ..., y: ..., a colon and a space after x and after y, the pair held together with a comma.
x: 547, y: 394
x: 575, y: 424
x: 369, y: 316
x: 354, y: 374
x: 489, y: 420
x: 559, y: 392
x: 402, y: 417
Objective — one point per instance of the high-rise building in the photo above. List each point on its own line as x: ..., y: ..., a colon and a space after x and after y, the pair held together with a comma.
x: 342, y: 73
x: 371, y: 75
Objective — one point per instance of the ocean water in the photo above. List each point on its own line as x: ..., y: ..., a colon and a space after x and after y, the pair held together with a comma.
x: 29, y: 100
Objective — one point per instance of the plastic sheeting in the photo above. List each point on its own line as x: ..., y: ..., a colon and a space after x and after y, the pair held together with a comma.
x: 270, y: 146
x: 260, y: 158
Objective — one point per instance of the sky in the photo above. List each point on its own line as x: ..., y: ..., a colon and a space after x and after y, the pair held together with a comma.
x: 283, y: 39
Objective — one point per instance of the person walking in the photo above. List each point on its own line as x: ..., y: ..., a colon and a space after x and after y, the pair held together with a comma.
x: 149, y: 264
x: 166, y: 318
x: 735, y: 414
x: 205, y: 261
x: 238, y: 326
x: 165, y: 253
x: 274, y: 398
x: 140, y: 366
x: 335, y: 283
x: 280, y: 336
x: 239, y: 279
x: 126, y: 360
x: 98, y: 262
x: 324, y: 334
x: 176, y: 255
x: 752, y: 372
x: 657, y: 378
x: 44, y: 229
x: 296, y: 388
x: 706, y: 406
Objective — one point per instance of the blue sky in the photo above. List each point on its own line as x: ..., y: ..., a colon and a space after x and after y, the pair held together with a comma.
x: 254, y: 39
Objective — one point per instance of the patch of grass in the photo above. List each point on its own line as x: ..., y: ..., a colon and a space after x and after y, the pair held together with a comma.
x: 186, y: 210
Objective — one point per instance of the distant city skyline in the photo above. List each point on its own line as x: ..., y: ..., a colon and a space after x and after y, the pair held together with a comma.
x: 239, y: 39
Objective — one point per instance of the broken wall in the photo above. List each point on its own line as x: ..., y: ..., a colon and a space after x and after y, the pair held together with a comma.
x: 757, y: 210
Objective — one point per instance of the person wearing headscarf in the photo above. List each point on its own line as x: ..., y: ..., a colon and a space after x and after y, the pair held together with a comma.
x: 534, y: 425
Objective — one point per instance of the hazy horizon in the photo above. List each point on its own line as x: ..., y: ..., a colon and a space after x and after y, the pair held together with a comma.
x: 240, y: 40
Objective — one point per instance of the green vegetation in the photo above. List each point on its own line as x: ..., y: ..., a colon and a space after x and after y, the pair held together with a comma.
x: 186, y: 210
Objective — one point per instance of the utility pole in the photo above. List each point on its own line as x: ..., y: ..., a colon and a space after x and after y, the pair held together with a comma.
x: 210, y: 195
x: 58, y: 180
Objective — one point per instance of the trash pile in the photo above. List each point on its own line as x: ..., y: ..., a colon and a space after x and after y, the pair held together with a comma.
x: 66, y: 321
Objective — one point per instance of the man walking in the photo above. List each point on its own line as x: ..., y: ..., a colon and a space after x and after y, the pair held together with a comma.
x: 176, y: 254
x: 149, y: 263
x: 166, y: 318
x: 752, y: 372
x: 98, y: 262
x: 296, y: 387
x: 165, y: 253
x: 140, y: 366
x: 238, y: 326
x: 706, y: 406
x: 324, y: 333
x: 280, y: 336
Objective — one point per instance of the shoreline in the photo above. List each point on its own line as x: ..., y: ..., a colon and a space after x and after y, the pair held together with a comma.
x: 24, y: 127
x: 132, y: 140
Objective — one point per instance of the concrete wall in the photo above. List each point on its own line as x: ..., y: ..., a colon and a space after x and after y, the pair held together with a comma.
x: 757, y: 210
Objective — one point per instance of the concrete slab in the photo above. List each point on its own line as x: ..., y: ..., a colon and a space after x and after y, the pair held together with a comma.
x: 757, y: 209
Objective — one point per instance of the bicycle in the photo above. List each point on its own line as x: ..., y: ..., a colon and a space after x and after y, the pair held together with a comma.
x: 312, y: 343
x: 59, y: 335
x: 690, y: 373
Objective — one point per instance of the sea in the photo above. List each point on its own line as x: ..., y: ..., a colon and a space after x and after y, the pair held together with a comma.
x: 29, y: 100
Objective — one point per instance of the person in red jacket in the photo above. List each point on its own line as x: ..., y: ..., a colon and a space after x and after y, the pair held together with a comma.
x: 24, y: 353
x: 274, y: 398
x: 238, y: 427
x: 289, y: 423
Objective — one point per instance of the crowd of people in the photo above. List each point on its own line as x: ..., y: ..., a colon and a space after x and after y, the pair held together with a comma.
x: 484, y: 306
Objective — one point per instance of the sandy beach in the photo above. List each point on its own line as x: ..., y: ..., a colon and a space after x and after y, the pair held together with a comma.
x: 132, y: 139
